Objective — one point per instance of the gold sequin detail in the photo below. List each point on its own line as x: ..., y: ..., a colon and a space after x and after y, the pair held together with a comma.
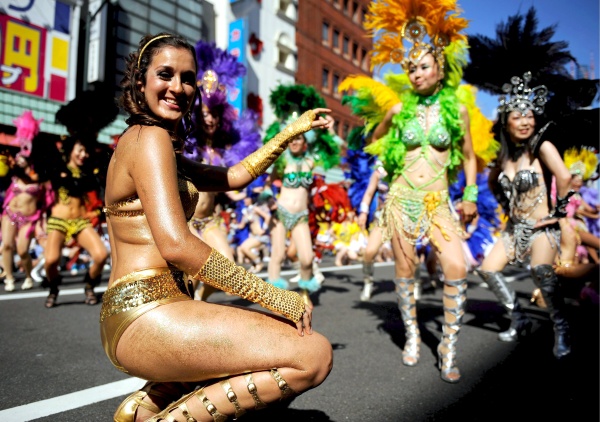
x: 126, y: 295
x: 187, y: 193
x: 220, y: 272
x: 260, y: 160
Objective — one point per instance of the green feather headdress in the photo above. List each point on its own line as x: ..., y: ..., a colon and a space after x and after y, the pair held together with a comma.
x: 288, y: 103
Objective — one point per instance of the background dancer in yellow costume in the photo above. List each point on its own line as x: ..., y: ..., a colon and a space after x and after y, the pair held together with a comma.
x: 422, y: 135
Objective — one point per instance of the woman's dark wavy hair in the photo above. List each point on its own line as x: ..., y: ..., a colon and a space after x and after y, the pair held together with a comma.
x: 133, y: 101
x: 508, y: 149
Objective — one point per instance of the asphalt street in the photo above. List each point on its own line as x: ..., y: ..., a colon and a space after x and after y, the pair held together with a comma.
x: 53, y: 366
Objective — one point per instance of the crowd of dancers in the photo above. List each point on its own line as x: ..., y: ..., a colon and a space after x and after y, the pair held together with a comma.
x: 191, y: 188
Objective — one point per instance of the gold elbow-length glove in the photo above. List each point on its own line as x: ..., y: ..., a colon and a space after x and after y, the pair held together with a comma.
x: 220, y: 272
x: 260, y: 160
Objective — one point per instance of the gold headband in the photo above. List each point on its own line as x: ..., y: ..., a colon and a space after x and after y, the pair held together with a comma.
x: 147, y: 44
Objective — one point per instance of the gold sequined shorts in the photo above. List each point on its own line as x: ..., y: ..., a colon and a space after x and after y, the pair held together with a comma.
x: 69, y: 227
x: 133, y: 295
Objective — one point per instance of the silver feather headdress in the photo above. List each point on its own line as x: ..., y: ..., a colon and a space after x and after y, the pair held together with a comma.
x: 520, y: 97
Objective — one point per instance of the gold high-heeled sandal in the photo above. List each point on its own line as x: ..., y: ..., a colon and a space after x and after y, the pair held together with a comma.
x: 128, y: 408
x: 165, y: 415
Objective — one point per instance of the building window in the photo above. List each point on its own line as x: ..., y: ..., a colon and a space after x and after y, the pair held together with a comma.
x: 345, y: 130
x: 346, y: 47
x: 335, y: 84
x: 325, y: 81
x: 364, y: 13
x: 347, y: 7
x: 336, y: 40
x: 288, y: 8
x: 355, y: 58
x: 355, y: 12
x: 336, y: 4
x: 325, y: 33
x: 286, y: 54
x: 364, y: 59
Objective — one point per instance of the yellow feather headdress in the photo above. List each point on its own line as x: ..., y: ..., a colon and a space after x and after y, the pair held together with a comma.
x: 582, y: 162
x: 394, y: 22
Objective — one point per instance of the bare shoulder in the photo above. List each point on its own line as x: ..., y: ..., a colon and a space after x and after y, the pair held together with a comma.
x: 139, y: 150
x: 145, y: 139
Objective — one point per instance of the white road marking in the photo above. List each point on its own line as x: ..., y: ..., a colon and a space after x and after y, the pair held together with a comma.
x: 71, y: 401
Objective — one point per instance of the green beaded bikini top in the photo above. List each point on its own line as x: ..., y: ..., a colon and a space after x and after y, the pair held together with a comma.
x: 413, y: 134
x: 298, y: 178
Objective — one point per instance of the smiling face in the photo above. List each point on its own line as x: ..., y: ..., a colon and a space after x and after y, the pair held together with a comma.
x: 210, y: 121
x: 519, y: 126
x: 297, y: 145
x: 170, y: 84
x: 425, y: 75
x: 78, y: 155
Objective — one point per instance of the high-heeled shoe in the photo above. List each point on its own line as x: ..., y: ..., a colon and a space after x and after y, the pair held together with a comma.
x: 446, y: 350
x: 546, y: 280
x: 165, y: 392
x: 165, y: 415
x: 407, y: 306
x: 128, y: 408
x: 520, y: 324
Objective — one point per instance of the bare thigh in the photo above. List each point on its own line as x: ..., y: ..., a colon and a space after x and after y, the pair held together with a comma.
x: 196, y: 341
x: 404, y: 257
x: 496, y: 259
x: 450, y: 255
x: 303, y: 242
x: 542, y: 251
x: 217, y: 238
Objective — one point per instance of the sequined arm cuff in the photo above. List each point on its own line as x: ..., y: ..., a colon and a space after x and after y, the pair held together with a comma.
x: 220, y: 272
x: 259, y: 161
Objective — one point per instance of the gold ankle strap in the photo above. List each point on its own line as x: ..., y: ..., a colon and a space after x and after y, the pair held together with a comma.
x: 258, y: 403
x: 210, y: 408
x: 286, y: 390
x: 232, y: 397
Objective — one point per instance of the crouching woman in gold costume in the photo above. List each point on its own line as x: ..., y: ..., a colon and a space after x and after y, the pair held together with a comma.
x: 203, y: 361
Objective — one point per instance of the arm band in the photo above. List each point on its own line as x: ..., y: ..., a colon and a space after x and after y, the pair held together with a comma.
x: 260, y: 160
x: 220, y: 272
x: 470, y: 193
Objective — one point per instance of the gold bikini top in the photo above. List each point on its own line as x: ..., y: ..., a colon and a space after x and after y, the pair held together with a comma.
x: 187, y: 193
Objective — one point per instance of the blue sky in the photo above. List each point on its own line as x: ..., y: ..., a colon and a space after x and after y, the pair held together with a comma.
x: 576, y: 22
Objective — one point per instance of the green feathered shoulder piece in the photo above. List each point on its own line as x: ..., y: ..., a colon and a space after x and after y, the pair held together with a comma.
x: 288, y: 103
x: 390, y: 148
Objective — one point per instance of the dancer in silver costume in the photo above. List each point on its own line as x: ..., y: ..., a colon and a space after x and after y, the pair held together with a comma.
x: 529, y: 158
x: 522, y: 178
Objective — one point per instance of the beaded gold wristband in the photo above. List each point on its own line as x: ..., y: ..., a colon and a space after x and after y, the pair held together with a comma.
x: 470, y: 193
x: 260, y: 160
x: 220, y: 272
